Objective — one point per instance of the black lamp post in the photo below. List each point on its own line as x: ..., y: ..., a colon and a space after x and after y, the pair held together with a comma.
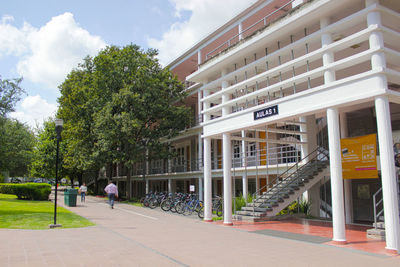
x: 59, y: 126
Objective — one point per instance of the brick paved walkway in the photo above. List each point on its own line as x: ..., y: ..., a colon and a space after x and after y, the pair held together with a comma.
x: 134, y: 236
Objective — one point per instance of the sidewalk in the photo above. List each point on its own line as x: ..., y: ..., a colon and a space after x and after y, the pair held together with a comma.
x: 134, y: 236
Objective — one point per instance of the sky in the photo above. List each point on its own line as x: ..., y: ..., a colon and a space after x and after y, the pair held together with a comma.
x: 43, y: 40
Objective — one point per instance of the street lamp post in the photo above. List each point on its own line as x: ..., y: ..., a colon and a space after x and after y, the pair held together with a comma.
x: 59, y: 126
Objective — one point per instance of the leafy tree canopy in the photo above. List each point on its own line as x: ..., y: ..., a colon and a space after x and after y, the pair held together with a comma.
x: 10, y: 94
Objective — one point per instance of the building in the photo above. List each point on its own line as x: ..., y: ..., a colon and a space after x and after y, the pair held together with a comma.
x: 274, y: 90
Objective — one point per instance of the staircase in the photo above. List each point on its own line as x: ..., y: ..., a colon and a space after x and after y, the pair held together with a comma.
x: 378, y: 232
x: 290, y: 186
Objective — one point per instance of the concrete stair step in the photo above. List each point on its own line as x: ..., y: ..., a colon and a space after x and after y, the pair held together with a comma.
x: 379, y: 225
x: 251, y: 213
x: 259, y: 209
x: 376, y: 234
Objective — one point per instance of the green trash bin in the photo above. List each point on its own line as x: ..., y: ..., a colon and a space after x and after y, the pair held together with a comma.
x: 70, y: 197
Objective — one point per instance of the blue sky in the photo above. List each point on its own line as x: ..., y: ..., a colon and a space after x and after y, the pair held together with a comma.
x: 43, y: 40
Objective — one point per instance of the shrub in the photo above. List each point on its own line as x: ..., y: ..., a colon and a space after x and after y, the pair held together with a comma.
x: 32, y: 191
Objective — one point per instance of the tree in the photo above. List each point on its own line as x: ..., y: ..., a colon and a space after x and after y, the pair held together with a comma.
x: 77, y: 106
x: 118, y: 105
x: 10, y: 94
x: 44, y: 154
x: 144, y: 106
x: 16, y: 146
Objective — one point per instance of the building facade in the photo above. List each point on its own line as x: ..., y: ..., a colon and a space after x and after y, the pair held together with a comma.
x: 274, y: 91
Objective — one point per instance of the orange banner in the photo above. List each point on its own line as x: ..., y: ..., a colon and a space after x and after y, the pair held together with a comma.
x: 359, y: 157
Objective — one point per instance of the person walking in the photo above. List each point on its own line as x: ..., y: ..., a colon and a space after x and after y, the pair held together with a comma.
x: 83, y: 190
x: 112, y: 192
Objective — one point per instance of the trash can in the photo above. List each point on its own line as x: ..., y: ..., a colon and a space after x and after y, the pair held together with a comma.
x: 70, y: 197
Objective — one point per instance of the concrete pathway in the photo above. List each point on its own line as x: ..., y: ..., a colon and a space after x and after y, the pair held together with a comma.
x: 135, y: 236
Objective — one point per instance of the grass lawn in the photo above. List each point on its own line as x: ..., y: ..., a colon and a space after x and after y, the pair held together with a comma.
x: 26, y: 214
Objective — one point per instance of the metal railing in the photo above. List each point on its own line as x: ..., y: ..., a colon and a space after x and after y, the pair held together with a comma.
x: 230, y: 41
x: 378, y: 206
x: 291, y: 177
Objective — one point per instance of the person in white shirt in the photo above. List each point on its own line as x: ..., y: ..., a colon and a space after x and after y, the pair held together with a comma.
x: 112, y: 192
x: 83, y: 190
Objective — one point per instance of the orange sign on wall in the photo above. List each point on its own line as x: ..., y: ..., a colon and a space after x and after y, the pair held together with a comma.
x: 359, y: 157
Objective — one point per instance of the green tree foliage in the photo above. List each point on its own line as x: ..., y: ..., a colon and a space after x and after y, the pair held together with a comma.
x: 10, y: 94
x: 119, y: 105
x: 16, y: 145
x: 44, y: 153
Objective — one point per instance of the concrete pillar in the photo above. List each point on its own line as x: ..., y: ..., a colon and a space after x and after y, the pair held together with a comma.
x: 227, y: 165
x: 225, y: 97
x: 327, y: 57
x: 200, y: 186
x: 200, y: 150
x: 207, y: 181
x: 245, y: 184
x: 169, y: 185
x: 303, y: 137
x: 348, y: 198
x: 206, y: 105
x: 147, y: 186
x: 338, y: 222
x: 240, y: 29
x: 199, y: 61
x: 313, y: 194
x: 388, y: 174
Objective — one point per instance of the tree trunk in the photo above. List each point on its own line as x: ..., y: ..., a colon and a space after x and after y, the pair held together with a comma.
x: 80, y: 178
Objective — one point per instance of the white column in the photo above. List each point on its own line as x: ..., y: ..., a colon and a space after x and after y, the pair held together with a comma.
x: 200, y: 150
x: 169, y: 185
x: 245, y: 184
x: 206, y: 105
x: 201, y: 197
x: 199, y: 61
x: 240, y: 29
x: 147, y: 186
x: 388, y: 173
x: 303, y: 137
x: 199, y: 116
x: 207, y: 181
x: 327, y: 57
x: 227, y: 165
x: 225, y: 97
x: 348, y: 203
x: 339, y: 233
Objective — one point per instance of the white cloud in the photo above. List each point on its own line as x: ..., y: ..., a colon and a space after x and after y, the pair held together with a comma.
x: 48, y: 54
x: 34, y: 110
x: 206, y: 16
x: 13, y: 41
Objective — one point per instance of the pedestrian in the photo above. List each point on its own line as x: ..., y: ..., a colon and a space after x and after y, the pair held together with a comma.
x: 112, y: 192
x: 83, y: 190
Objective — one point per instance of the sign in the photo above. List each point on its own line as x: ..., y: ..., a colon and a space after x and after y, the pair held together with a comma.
x: 192, y: 188
x: 359, y: 157
x: 266, y: 112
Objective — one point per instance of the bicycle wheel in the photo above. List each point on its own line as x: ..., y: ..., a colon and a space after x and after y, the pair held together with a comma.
x: 188, y: 209
x: 219, y: 211
x: 200, y: 213
x: 180, y: 207
x: 166, y: 205
x: 199, y: 205
x: 153, y: 203
x: 173, y: 207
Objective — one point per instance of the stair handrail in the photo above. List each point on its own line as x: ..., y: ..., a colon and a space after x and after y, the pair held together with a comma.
x: 313, y: 159
x: 376, y: 204
x: 296, y: 165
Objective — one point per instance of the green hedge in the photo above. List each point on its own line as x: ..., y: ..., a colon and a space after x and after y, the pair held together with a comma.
x: 32, y: 191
